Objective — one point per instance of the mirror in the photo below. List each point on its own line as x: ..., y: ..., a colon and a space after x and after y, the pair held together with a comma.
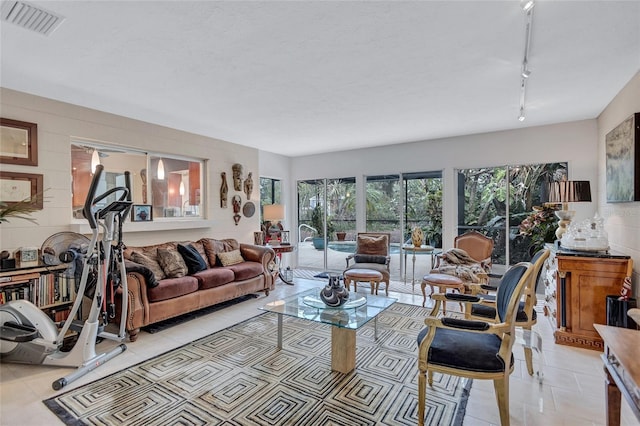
x: 170, y: 185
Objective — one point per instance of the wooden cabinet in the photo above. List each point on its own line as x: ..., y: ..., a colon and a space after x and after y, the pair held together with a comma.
x: 47, y: 287
x: 576, y: 287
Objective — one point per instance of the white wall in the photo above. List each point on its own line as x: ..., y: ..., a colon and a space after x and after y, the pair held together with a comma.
x: 622, y: 220
x: 574, y: 142
x: 58, y: 122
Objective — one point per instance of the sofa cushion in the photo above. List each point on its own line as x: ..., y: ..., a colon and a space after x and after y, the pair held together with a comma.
x: 368, y: 244
x: 193, y: 259
x: 228, y: 258
x: 172, y: 263
x: 145, y: 259
x: 212, y: 247
x: 214, y: 277
x: 171, y: 288
x: 246, y: 270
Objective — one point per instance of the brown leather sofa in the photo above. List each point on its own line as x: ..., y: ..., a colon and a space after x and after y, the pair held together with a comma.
x: 155, y: 296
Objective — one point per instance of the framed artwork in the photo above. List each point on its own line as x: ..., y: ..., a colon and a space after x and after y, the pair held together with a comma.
x: 141, y: 213
x: 623, y: 161
x: 17, y: 187
x: 18, y: 142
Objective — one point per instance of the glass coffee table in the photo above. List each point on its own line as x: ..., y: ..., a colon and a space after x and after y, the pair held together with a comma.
x: 345, y: 320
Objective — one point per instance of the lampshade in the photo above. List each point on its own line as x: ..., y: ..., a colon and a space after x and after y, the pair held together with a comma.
x: 181, y: 188
x: 273, y: 212
x: 569, y: 191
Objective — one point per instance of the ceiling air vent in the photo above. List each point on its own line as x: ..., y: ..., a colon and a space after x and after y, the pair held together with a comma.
x: 30, y: 17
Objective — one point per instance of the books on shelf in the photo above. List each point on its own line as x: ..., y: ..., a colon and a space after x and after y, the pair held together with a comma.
x: 44, y: 291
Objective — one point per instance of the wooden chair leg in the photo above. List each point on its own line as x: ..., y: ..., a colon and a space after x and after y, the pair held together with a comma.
x: 422, y: 396
x: 501, y: 387
x: 430, y: 377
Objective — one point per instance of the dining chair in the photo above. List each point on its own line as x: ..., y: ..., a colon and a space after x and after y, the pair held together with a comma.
x: 526, y: 316
x: 473, y: 349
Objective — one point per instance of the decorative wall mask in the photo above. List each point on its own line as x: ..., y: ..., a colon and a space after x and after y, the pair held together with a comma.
x: 248, y: 186
x: 237, y: 176
x: 236, y: 218
x: 237, y: 202
x: 224, y: 189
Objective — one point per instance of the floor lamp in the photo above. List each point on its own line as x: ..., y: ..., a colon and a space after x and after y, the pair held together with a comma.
x: 565, y: 192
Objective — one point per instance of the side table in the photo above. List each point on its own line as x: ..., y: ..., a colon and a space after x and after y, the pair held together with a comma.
x: 414, y: 250
x: 279, y: 249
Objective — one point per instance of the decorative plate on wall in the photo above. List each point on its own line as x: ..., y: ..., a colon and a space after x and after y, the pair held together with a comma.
x: 248, y: 209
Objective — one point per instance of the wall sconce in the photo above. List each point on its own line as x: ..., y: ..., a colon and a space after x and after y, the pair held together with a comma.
x: 95, y: 160
x: 565, y: 192
x: 161, y: 169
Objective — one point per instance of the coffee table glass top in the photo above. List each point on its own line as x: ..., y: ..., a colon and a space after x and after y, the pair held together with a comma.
x: 353, y: 314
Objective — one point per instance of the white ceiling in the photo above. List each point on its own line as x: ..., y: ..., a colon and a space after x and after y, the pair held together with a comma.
x: 306, y: 77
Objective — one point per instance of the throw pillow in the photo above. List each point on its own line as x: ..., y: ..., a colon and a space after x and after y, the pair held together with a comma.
x: 370, y: 258
x: 195, y: 262
x: 228, y: 258
x: 372, y: 245
x: 172, y: 263
x: 149, y: 262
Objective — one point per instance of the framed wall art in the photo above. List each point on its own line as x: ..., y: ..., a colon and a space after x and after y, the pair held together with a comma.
x: 623, y: 161
x: 141, y: 213
x: 17, y: 187
x: 18, y: 142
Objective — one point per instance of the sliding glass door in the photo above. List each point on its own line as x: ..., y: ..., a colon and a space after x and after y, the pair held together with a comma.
x: 495, y: 201
x: 327, y: 223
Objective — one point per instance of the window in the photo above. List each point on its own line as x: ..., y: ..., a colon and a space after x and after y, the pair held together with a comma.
x: 270, y: 191
x: 170, y: 184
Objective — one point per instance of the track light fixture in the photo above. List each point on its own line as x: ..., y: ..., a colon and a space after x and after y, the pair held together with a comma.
x: 525, y: 72
x: 527, y: 5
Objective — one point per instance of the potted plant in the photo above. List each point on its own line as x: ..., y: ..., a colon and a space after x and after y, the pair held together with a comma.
x: 317, y: 223
x: 540, y: 227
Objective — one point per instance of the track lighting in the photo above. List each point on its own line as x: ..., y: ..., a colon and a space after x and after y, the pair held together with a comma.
x: 525, y: 72
x: 527, y: 5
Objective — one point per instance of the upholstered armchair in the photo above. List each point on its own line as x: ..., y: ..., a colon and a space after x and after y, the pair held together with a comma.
x: 526, y: 316
x: 372, y: 252
x: 474, y: 349
x: 469, y: 260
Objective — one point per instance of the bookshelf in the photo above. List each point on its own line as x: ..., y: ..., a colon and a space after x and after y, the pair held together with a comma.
x: 50, y: 288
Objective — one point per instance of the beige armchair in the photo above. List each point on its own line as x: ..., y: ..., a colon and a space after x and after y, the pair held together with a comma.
x: 372, y: 252
x: 469, y: 260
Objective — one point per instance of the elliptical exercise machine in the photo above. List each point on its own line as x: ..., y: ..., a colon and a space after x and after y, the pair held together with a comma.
x: 29, y: 336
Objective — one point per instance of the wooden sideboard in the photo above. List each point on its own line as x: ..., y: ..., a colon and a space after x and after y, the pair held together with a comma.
x: 576, y: 287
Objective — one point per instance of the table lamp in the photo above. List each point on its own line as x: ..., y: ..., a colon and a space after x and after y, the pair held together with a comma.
x: 565, y: 192
x: 273, y: 213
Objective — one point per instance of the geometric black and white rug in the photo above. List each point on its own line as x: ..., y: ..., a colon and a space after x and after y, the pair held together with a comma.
x: 237, y: 377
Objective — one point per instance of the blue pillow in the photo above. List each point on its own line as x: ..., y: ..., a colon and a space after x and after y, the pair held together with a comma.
x: 195, y: 262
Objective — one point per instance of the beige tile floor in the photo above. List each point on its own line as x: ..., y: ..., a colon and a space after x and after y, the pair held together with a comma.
x: 572, y: 392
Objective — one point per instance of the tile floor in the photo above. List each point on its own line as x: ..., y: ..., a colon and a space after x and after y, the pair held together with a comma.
x: 572, y: 392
